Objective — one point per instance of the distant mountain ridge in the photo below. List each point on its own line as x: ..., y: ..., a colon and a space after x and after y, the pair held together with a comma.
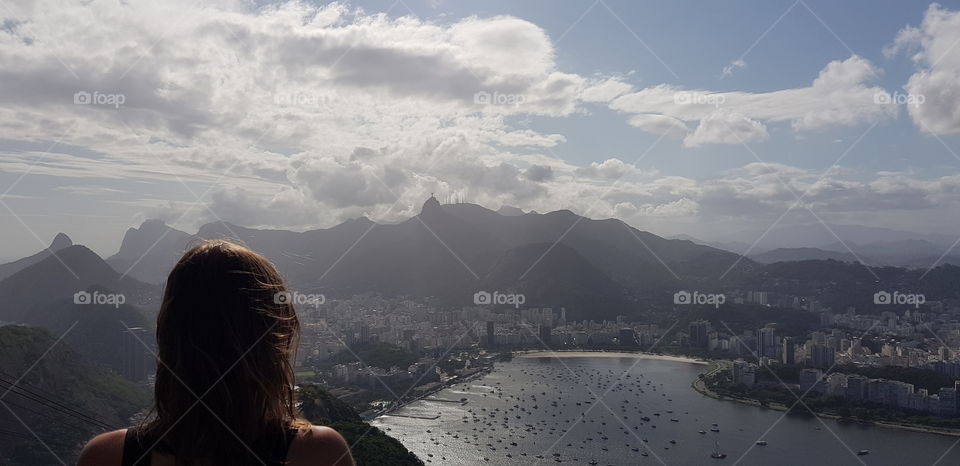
x: 801, y: 254
x: 913, y: 254
x: 60, y: 276
x: 43, y: 295
x: 150, y: 251
x: 818, y: 235
x: 909, y: 253
x: 596, y: 268
x: 59, y: 242
x: 872, y: 246
x: 451, y: 251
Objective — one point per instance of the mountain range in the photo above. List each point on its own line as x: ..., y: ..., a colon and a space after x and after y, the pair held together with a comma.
x: 848, y: 243
x: 449, y: 252
x: 42, y: 295
x: 801, y: 254
x: 913, y: 254
x: 593, y: 267
x: 61, y: 241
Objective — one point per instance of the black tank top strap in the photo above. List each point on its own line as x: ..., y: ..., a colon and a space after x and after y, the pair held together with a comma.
x: 272, y: 450
x: 288, y: 436
x: 134, y: 451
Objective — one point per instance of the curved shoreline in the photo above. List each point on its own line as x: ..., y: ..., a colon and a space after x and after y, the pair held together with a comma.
x: 697, y: 384
x: 606, y: 354
x: 701, y: 387
x: 443, y: 386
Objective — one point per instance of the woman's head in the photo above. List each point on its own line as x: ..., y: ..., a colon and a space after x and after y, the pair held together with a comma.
x: 225, y: 345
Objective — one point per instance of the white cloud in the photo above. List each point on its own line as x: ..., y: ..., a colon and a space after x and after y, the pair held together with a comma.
x: 730, y: 68
x: 660, y: 124
x: 291, y: 114
x: 605, y: 90
x: 839, y: 96
x: 297, y: 116
x: 679, y: 208
x: 721, y: 127
x: 608, y: 170
x: 749, y: 197
x: 937, y: 80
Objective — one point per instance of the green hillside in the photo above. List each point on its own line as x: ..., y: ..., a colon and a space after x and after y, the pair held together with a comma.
x: 66, y: 400
x: 63, y: 398
x: 370, y: 446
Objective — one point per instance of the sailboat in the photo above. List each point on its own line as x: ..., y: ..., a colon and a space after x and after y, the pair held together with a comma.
x: 716, y: 452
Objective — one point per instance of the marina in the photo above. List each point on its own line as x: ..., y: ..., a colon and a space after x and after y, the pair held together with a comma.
x: 628, y: 410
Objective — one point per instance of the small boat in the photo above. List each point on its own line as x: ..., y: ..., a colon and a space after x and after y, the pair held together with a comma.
x: 863, y: 452
x: 717, y: 455
x: 762, y: 443
x: 702, y: 432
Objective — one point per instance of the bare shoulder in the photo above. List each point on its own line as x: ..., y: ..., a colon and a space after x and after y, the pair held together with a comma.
x: 319, y: 446
x: 104, y: 450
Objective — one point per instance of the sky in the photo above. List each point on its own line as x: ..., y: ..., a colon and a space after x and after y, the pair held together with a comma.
x: 709, y: 119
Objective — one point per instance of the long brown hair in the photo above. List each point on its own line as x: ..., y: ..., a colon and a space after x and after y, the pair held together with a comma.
x: 225, y: 384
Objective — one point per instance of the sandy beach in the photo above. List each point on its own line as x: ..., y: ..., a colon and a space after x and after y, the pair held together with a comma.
x: 606, y: 354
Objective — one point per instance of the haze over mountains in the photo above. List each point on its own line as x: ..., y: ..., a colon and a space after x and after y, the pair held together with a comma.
x: 451, y: 251
x: 847, y: 243
x: 446, y: 253
x: 42, y: 295
x: 61, y: 241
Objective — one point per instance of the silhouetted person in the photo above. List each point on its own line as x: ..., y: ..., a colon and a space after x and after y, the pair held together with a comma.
x: 224, y: 391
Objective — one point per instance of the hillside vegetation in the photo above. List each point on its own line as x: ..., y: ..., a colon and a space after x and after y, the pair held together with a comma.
x: 63, y: 398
